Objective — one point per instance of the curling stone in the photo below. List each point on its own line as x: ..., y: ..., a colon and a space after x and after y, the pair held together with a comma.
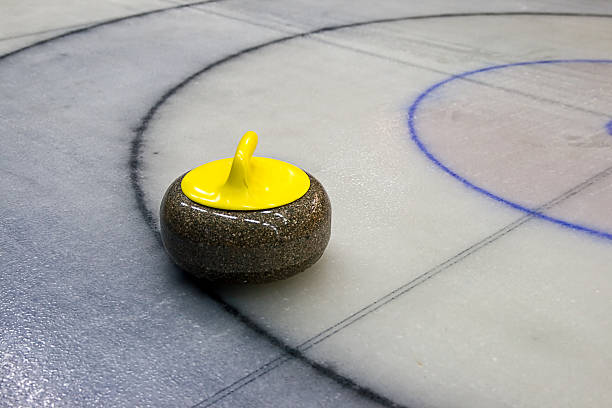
x: 245, y: 219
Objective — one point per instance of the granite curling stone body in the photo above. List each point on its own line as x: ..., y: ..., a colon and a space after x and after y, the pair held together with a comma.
x: 245, y: 220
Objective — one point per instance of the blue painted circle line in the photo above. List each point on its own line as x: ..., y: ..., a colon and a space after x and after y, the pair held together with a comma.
x: 414, y: 108
x: 609, y: 127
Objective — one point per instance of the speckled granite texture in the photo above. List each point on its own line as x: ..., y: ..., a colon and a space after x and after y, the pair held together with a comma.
x: 245, y: 246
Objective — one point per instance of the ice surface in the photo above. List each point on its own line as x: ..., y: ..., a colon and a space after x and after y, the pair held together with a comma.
x: 530, y: 329
x: 505, y: 310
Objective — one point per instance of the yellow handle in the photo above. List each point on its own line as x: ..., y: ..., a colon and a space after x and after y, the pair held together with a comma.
x: 238, y: 176
x: 245, y: 182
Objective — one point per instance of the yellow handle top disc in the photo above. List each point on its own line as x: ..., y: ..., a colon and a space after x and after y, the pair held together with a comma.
x: 245, y: 182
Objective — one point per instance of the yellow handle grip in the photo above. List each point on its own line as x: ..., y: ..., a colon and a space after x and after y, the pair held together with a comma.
x: 238, y: 176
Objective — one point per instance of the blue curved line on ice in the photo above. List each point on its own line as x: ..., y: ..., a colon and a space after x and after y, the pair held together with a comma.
x: 412, y: 112
x: 609, y: 127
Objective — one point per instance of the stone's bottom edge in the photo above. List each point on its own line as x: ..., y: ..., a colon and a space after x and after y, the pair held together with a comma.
x: 220, y: 277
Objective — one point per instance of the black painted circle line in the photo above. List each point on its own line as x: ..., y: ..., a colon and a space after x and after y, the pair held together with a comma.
x: 147, y: 214
x: 135, y: 163
x: 105, y: 23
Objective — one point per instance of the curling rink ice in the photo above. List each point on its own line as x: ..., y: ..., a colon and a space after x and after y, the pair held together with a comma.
x: 467, y: 151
